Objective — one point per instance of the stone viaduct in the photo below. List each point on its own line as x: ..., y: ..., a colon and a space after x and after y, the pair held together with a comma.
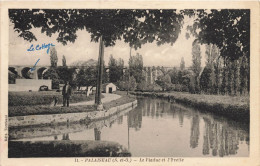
x: 22, y: 71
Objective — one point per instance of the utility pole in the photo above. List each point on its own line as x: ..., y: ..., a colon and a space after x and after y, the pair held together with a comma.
x: 98, y: 102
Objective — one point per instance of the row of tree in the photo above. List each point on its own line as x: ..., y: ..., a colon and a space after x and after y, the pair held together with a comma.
x: 219, y: 76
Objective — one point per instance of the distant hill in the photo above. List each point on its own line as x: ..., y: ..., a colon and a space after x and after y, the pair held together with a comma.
x: 90, y: 62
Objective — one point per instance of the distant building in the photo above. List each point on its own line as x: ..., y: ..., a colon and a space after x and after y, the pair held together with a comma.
x: 83, y: 88
x: 109, y: 88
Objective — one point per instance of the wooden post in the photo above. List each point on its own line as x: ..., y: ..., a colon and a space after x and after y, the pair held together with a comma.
x: 99, y: 76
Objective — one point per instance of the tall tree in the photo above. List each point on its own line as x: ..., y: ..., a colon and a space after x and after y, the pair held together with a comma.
x: 244, y: 75
x: 212, y: 53
x: 196, y: 63
x: 182, y: 65
x: 113, y: 69
x: 218, y: 67
x: 236, y: 69
x: 64, y: 61
x: 136, y: 67
x: 53, y: 57
x: 230, y: 81
x: 120, y: 68
x: 224, y: 83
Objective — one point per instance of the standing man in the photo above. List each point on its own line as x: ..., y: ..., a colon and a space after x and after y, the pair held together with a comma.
x: 66, y: 92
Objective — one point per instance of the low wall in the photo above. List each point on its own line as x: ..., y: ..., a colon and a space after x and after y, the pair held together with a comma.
x: 51, y: 130
x: 28, y: 84
x: 30, y: 120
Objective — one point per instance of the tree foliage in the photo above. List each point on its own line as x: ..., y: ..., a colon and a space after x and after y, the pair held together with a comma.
x: 65, y: 74
x: 112, y: 64
x: 135, y: 27
x: 132, y: 83
x: 53, y: 75
x: 228, y: 29
x: 164, y: 81
x: 196, y: 58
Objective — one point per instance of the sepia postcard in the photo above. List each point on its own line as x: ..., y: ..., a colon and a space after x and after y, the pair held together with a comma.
x: 130, y: 83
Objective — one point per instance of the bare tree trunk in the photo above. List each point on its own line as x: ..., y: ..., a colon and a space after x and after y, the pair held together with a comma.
x: 100, y: 73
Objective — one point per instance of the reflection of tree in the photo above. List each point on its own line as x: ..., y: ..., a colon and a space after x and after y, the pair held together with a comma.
x: 120, y: 120
x: 181, y: 117
x: 148, y: 107
x: 173, y: 110
x: 220, y: 138
x: 152, y: 107
x: 156, y: 110
x: 65, y: 137
x: 135, y: 119
x: 206, y: 139
x: 195, y: 131
x: 97, y: 134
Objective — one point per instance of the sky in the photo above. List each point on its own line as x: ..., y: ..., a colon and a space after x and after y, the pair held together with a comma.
x: 83, y: 49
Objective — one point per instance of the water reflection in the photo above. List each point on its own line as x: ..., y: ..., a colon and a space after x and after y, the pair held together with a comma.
x: 221, y: 137
x: 65, y: 137
x: 160, y: 129
x: 97, y: 134
x: 194, y: 131
x: 135, y: 119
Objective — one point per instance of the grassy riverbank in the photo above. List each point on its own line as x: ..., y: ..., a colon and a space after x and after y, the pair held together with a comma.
x: 122, y: 100
x: 44, y: 110
x: 235, y: 107
x: 42, y: 98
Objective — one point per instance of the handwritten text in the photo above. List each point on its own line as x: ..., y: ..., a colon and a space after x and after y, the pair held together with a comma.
x: 40, y: 47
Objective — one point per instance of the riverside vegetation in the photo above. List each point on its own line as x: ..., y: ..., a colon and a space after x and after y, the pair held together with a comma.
x: 234, y: 107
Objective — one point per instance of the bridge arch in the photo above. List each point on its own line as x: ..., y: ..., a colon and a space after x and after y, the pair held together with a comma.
x: 25, y: 73
x: 13, y: 70
x: 41, y: 71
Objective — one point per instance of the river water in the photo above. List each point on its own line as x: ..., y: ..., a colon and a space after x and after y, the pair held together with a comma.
x: 157, y: 128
